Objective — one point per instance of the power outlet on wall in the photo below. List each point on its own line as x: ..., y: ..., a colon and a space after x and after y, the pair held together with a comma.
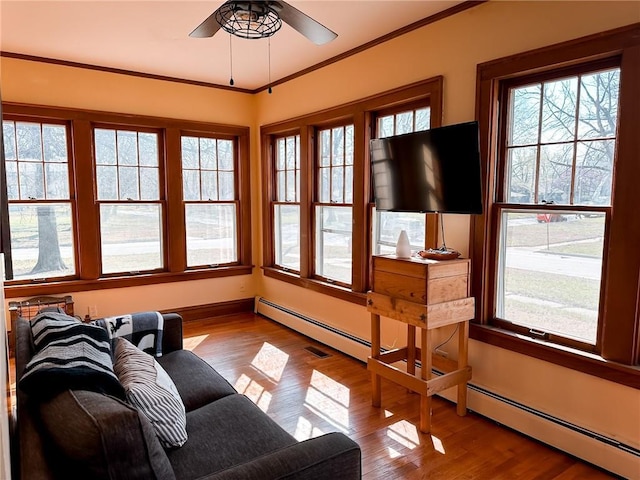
x: 93, y: 311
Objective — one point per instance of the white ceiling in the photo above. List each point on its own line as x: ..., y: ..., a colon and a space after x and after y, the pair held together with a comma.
x: 152, y: 37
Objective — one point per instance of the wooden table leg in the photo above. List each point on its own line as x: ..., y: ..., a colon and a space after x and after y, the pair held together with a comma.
x: 411, y: 349
x: 425, y: 374
x: 376, y: 387
x: 463, y: 361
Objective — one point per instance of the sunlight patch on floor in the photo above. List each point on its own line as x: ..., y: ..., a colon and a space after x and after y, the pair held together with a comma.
x: 190, y: 343
x: 271, y: 361
x: 305, y: 430
x: 405, y: 433
x: 388, y: 414
x: 254, y: 391
x: 329, y: 400
x: 437, y: 445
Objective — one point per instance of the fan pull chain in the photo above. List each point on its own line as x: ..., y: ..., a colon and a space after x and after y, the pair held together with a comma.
x: 270, y: 90
x: 231, y: 82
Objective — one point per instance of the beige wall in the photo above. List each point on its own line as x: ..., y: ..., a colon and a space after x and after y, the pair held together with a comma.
x: 452, y: 48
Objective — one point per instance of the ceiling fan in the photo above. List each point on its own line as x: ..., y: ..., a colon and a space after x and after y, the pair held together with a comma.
x: 261, y: 19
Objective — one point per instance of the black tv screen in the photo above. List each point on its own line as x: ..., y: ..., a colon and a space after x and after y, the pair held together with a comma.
x: 435, y: 170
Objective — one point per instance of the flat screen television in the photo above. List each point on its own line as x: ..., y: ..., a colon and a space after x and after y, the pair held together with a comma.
x: 435, y: 170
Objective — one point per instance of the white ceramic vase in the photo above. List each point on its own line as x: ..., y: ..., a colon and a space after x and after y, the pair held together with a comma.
x: 403, y: 247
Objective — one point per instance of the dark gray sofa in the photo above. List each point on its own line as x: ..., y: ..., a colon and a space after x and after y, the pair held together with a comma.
x: 90, y: 435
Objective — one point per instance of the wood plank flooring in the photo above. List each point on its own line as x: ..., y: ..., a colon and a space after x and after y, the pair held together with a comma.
x: 308, y: 395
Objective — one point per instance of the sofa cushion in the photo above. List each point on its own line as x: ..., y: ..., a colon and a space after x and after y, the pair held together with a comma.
x: 69, y: 355
x: 152, y: 392
x: 197, y: 382
x: 227, y: 432
x: 101, y: 437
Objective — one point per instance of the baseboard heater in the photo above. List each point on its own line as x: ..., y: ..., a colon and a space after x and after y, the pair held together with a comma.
x: 605, y: 452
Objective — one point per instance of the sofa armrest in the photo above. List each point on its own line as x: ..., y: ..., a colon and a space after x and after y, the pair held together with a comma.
x: 172, y: 332
x: 333, y: 456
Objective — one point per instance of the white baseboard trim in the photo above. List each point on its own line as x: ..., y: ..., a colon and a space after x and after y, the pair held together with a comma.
x: 605, y: 452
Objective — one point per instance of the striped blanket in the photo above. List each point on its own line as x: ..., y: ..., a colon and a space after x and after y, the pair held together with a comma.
x: 143, y: 329
x: 69, y: 355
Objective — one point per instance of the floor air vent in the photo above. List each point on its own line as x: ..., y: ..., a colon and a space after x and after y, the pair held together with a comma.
x: 317, y: 352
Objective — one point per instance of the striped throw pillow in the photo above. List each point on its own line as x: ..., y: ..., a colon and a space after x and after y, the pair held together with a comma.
x: 70, y: 355
x: 150, y: 389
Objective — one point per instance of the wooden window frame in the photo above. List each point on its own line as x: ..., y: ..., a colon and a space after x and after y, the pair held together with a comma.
x: 236, y: 193
x: 619, y: 338
x: 360, y: 114
x: 88, y: 275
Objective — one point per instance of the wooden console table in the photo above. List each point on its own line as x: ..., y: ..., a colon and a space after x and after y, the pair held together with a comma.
x: 427, y: 294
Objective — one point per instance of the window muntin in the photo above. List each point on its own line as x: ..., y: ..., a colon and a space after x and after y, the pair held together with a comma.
x: 388, y: 225
x: 560, y: 150
x: 128, y: 194
x: 209, y: 195
x: 286, y: 208
x: 333, y: 210
x: 40, y: 207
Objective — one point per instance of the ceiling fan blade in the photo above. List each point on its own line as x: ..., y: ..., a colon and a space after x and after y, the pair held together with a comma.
x: 307, y: 26
x: 210, y: 26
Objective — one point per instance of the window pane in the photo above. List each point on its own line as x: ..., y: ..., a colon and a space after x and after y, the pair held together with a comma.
x: 324, y: 185
x: 599, y: 104
x: 128, y: 179
x: 525, y: 115
x: 385, y: 126
x: 390, y: 224
x: 225, y: 155
x: 594, y: 172
x: 226, y: 187
x: 208, y: 154
x: 31, y: 180
x: 281, y: 179
x: 148, y: 145
x: 423, y: 119
x: 337, y: 185
x: 57, y: 180
x: 325, y: 148
x: 149, y: 188
x: 12, y: 180
x: 210, y: 187
x: 107, y: 182
x: 521, y: 175
x: 29, y: 142
x: 333, y: 243
x: 348, y: 184
x: 190, y: 152
x: 105, y: 141
x: 281, y: 154
x: 291, y: 153
x: 287, y: 236
x: 554, y: 184
x: 348, y: 145
x: 55, y: 143
x: 551, y: 265
x: 191, y: 185
x: 404, y: 123
x: 127, y: 148
x: 41, y: 240
x: 211, y: 234
x: 291, y: 186
x: 559, y: 110
x: 337, y: 150
x: 9, y: 132
x: 131, y: 237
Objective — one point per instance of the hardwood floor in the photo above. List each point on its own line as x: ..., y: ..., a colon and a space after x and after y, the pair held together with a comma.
x: 308, y: 395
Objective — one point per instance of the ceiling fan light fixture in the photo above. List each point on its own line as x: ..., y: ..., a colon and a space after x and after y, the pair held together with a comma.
x: 251, y: 20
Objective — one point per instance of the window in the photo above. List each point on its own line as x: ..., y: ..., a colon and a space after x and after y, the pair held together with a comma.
x: 209, y: 192
x: 388, y: 225
x: 286, y: 208
x: 318, y: 214
x: 39, y: 197
x: 555, y: 259
x: 98, y: 200
x: 333, y: 211
x: 559, y: 151
x: 128, y: 195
